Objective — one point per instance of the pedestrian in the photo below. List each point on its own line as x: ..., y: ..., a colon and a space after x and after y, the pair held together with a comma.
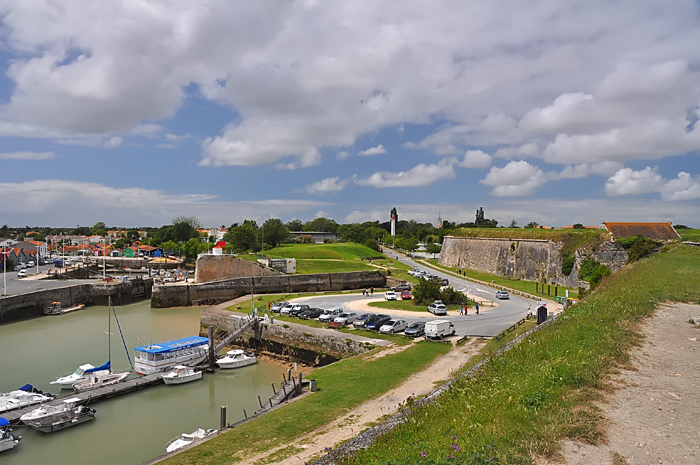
x: 477, y: 308
x: 371, y: 291
x: 461, y: 310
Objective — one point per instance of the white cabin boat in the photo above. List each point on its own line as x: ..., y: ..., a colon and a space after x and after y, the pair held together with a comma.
x: 83, y: 371
x: 181, y: 374
x: 94, y: 382
x: 23, y: 397
x: 7, y: 439
x: 236, y: 359
x: 186, y: 439
x: 50, y: 418
x: 164, y: 356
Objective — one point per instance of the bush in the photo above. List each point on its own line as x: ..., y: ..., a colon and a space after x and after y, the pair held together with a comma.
x: 450, y: 296
x: 372, y: 244
x: 593, y: 271
x: 426, y: 291
x: 637, y: 247
x: 567, y: 265
x: 306, y: 239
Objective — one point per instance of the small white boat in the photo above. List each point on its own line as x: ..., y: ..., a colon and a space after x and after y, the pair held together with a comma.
x: 236, y: 359
x: 186, y: 439
x: 94, y: 382
x: 181, y: 374
x: 55, y: 308
x: 83, y: 371
x: 7, y: 439
x: 23, y: 397
x: 50, y: 418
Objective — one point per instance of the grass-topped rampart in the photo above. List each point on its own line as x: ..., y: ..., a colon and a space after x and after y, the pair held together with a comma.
x: 525, y: 401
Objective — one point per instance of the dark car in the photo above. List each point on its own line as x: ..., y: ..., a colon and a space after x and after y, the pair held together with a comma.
x: 401, y: 287
x: 362, y: 319
x: 311, y: 313
x: 376, y: 322
x: 298, y: 309
x: 415, y: 330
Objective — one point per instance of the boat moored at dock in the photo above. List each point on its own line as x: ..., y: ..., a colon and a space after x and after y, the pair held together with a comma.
x: 181, y: 374
x: 50, y: 418
x: 164, y: 356
x: 7, y: 439
x: 83, y: 371
x: 236, y: 359
x: 23, y: 397
x: 94, y: 382
x: 55, y: 308
x: 185, y: 439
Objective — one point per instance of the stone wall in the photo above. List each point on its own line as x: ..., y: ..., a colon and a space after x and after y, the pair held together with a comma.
x: 32, y: 304
x: 526, y: 259
x: 183, y: 295
x: 217, y: 267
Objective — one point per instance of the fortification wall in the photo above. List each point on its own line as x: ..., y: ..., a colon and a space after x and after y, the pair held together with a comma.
x: 526, y: 259
x: 184, y: 295
x: 217, y: 267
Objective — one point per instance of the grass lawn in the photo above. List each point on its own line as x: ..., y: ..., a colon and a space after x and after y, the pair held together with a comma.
x: 524, y: 402
x: 524, y: 286
x: 331, y: 266
x: 340, y: 251
x: 689, y: 234
x: 342, y: 386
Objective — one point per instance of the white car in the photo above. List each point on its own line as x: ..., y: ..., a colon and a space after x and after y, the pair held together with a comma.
x: 390, y: 295
x: 278, y: 306
x: 437, y: 308
x: 286, y: 309
x: 393, y: 326
x: 31, y: 263
x: 346, y: 318
x: 22, y: 274
x: 329, y: 315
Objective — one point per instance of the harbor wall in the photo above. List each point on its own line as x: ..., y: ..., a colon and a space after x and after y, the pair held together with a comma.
x: 217, y: 267
x: 32, y: 304
x: 184, y: 295
x: 526, y: 259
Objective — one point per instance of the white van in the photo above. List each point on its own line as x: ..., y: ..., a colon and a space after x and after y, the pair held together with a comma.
x: 439, y: 328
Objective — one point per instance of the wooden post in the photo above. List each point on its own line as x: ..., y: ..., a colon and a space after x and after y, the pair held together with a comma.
x: 260, y: 401
x: 289, y: 373
x: 273, y: 389
x: 548, y: 290
x: 299, y: 385
x: 222, y: 422
x: 537, y: 287
x: 285, y: 391
x: 245, y: 414
x: 270, y: 402
x: 556, y: 289
x: 211, y: 347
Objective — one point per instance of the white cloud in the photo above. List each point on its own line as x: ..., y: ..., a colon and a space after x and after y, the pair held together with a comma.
x: 378, y: 150
x: 327, y: 185
x: 630, y: 182
x: 517, y: 178
x: 27, y: 155
x: 342, y: 155
x: 420, y: 175
x: 684, y: 187
x: 583, y: 170
x: 53, y: 202
x: 321, y: 214
x: 476, y: 159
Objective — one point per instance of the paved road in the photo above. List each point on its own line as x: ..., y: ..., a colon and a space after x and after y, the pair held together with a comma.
x: 488, y: 323
x: 22, y: 285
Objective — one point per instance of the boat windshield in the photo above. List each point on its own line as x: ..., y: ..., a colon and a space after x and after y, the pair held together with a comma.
x: 79, y: 372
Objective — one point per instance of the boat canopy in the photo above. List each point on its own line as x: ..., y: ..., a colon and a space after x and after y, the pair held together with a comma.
x: 106, y: 366
x: 4, y: 422
x: 27, y: 388
x: 174, y: 345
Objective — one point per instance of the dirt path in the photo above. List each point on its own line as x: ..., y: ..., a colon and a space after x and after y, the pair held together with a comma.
x: 654, y: 416
x: 313, y: 443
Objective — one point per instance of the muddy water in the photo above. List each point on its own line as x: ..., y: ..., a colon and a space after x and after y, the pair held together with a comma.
x: 132, y: 428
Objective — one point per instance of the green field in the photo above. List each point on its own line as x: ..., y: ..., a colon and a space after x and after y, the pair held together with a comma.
x: 524, y: 402
x: 339, y: 251
x: 517, y: 284
x: 341, y: 387
x: 692, y: 235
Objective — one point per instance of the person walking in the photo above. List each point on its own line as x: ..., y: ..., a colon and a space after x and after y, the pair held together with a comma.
x: 461, y: 310
x: 477, y: 308
x: 371, y: 291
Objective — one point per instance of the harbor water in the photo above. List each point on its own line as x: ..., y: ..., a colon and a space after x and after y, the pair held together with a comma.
x: 131, y: 428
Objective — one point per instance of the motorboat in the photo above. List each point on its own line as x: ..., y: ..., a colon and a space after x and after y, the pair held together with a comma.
x: 94, y: 382
x: 181, y: 374
x: 55, y: 308
x: 50, y: 418
x: 83, y: 371
x: 236, y: 359
x: 23, y: 397
x: 163, y: 356
x: 7, y: 439
x: 186, y: 439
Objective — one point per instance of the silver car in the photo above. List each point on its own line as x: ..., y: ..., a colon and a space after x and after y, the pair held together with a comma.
x: 437, y: 308
x: 330, y: 315
x: 393, y: 326
x: 346, y: 318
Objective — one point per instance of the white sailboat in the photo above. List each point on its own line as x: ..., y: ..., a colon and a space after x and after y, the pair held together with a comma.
x: 83, y: 372
x: 50, y: 418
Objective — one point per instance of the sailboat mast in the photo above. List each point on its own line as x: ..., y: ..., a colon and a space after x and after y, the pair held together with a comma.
x: 109, y: 332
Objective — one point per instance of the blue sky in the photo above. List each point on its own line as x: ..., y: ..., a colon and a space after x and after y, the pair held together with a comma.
x: 139, y: 111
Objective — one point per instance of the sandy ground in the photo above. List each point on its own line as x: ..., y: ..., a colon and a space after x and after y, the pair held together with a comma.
x: 359, y: 419
x: 654, y: 415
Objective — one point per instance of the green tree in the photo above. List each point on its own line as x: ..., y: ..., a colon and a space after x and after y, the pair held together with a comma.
x: 513, y: 224
x: 425, y: 292
x: 406, y: 243
x: 578, y: 226
x: 352, y: 233
x: 185, y: 228
x: 295, y: 225
x: 133, y: 235
x: 321, y: 225
x: 531, y: 224
x: 191, y: 248
x: 244, y: 237
x: 275, y: 232
x: 372, y: 244
x: 170, y: 246
x: 99, y: 229
x: 433, y: 248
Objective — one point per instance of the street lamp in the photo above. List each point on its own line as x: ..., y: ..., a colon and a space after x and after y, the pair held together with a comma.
x: 4, y: 269
x: 104, y: 260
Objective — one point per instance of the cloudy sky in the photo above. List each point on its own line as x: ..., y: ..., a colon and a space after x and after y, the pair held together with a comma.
x: 135, y: 112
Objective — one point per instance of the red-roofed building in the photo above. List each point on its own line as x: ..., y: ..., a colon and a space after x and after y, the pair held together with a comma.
x: 655, y: 231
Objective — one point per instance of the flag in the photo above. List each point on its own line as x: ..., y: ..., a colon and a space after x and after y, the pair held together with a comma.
x: 138, y: 339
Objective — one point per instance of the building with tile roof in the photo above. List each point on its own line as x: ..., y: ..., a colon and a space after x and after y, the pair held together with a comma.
x: 655, y: 231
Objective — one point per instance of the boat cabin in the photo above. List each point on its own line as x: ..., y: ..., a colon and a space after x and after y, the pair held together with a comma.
x: 165, y: 355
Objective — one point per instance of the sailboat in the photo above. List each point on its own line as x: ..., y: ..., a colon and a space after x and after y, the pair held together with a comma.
x: 95, y: 381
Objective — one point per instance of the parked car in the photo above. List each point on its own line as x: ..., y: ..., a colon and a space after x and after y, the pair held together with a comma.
x: 329, y: 315
x: 275, y: 308
x: 415, y: 330
x: 390, y: 295
x: 361, y: 320
x: 311, y: 314
x: 297, y: 309
x: 286, y: 309
x: 437, y: 308
x: 393, y: 326
x: 444, y: 282
x: 502, y: 295
x: 376, y: 322
x: 401, y: 287
x: 22, y: 274
x: 439, y: 329
x: 406, y: 295
x: 31, y: 263
x: 346, y: 318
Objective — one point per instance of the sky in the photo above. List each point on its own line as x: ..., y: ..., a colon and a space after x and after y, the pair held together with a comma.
x: 136, y: 112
